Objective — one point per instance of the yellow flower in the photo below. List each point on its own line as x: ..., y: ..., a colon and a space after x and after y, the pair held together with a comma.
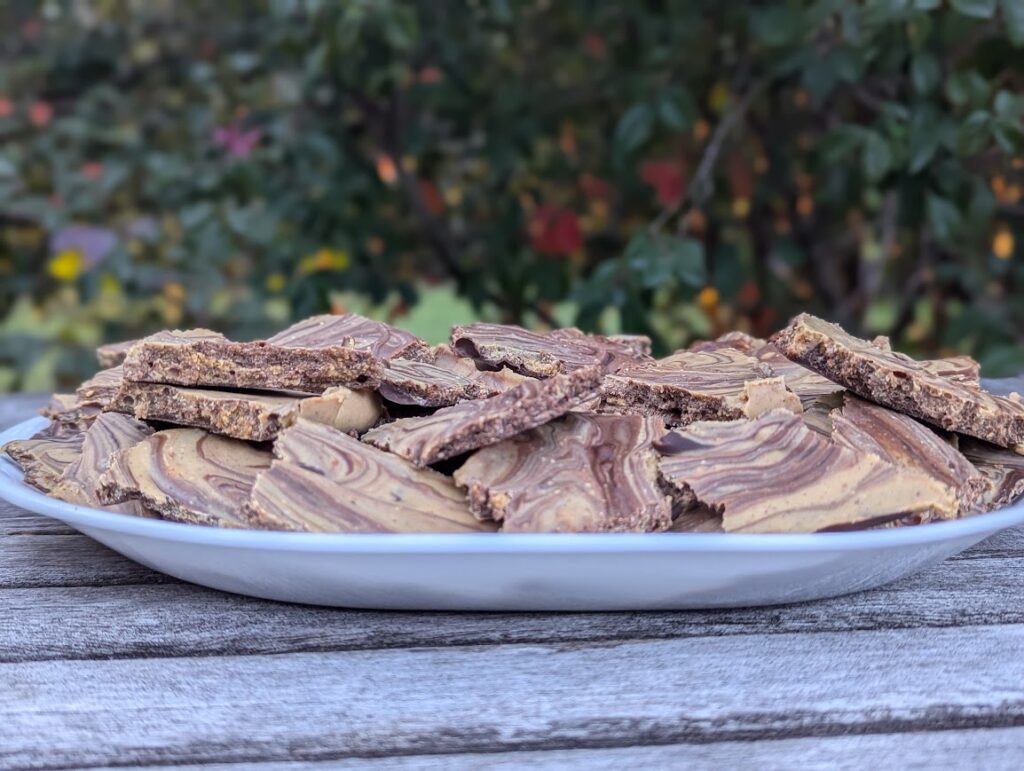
x: 174, y: 291
x: 707, y: 298
x: 1002, y: 243
x: 741, y: 207
x: 324, y: 259
x: 275, y: 282
x: 67, y: 265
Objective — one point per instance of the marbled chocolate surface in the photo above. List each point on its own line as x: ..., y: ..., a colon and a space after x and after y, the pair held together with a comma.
x: 325, y: 481
x: 1004, y: 469
x: 442, y: 379
x: 583, y: 473
x: 900, y: 383
x: 382, y: 340
x: 44, y: 457
x: 774, y: 475
x: 470, y: 425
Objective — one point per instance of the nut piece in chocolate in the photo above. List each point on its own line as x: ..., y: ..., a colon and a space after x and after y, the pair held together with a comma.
x: 893, y: 380
x: 582, y: 473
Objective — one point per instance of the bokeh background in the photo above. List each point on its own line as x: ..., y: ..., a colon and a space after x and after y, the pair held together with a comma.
x: 673, y: 167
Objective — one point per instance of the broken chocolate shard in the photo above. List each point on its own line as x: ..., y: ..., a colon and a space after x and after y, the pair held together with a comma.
x: 325, y: 481
x: 443, y: 380
x: 103, y: 390
x: 112, y: 354
x: 110, y: 433
x: 542, y: 355
x: 722, y: 384
x: 583, y: 473
x: 382, y: 340
x: 186, y: 475
x: 44, y: 457
x: 900, y: 383
x: 901, y: 440
x: 470, y: 425
x: 253, y: 416
x: 772, y: 474
x: 1003, y: 468
x: 309, y: 357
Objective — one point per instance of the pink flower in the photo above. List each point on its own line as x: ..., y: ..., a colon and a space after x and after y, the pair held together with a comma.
x: 236, y: 141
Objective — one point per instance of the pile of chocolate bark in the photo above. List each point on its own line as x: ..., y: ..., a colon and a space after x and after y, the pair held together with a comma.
x: 344, y: 424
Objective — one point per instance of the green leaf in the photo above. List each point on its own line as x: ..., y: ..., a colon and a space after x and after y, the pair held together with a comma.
x: 1013, y: 19
x: 653, y: 259
x: 974, y: 133
x: 976, y: 9
x: 943, y: 216
x: 967, y: 87
x: 676, y: 110
x: 877, y: 155
x: 775, y: 26
x: 634, y: 128
x: 925, y: 73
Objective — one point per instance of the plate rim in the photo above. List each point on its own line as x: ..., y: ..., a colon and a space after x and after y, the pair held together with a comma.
x: 14, y: 490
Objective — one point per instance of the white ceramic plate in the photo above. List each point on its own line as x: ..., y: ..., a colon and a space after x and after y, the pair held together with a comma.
x: 516, y: 572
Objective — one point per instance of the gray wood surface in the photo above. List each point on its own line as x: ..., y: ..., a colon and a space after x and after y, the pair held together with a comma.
x: 104, y: 663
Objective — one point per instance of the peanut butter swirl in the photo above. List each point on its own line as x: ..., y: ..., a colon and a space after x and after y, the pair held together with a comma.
x: 110, y: 433
x: 443, y: 380
x: 325, y: 481
x: 103, y: 390
x: 186, y: 475
x: 543, y: 355
x: 382, y: 340
x: 878, y: 374
x: 774, y: 475
x: 470, y: 425
x: 44, y: 457
x: 1004, y: 470
x: 583, y: 473
x: 900, y: 439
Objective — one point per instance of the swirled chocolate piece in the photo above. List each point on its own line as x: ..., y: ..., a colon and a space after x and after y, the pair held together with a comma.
x: 900, y: 383
x: 113, y: 354
x: 1004, y: 470
x: 774, y: 475
x: 253, y: 416
x: 470, y: 425
x: 722, y: 384
x: 44, y: 457
x: 901, y: 440
x: 541, y: 355
x: 110, y: 433
x: 382, y: 340
x: 444, y: 380
x: 186, y: 475
x: 310, y: 357
x: 697, y: 519
x: 104, y: 390
x: 583, y: 473
x: 68, y: 414
x: 327, y: 482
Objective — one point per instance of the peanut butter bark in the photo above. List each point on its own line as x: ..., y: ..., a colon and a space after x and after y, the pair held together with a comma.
x: 900, y: 383
x: 112, y: 354
x: 543, y: 355
x: 443, y: 380
x: 723, y: 384
x: 582, y: 473
x: 774, y: 475
x: 310, y: 356
x: 1004, y: 469
x: 470, y: 425
x: 44, y: 457
x: 253, y: 416
x: 103, y: 390
x: 186, y: 475
x: 325, y: 481
x: 901, y: 440
x: 110, y: 433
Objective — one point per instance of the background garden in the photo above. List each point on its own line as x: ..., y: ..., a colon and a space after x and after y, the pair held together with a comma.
x: 677, y: 168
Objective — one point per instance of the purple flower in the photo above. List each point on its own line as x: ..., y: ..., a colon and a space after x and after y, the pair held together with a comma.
x: 92, y: 241
x: 236, y: 141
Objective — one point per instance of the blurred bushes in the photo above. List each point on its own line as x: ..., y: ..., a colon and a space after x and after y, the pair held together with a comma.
x: 676, y: 167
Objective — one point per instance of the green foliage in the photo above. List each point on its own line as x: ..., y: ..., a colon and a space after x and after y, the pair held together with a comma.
x: 675, y: 167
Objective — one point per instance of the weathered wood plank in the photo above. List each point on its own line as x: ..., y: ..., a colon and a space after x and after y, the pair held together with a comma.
x: 992, y: 749
x: 67, y: 560
x: 320, y: 706
x: 182, y: 620
x: 15, y: 408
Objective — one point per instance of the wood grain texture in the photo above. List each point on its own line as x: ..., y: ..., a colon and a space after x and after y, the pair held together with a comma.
x: 320, y: 706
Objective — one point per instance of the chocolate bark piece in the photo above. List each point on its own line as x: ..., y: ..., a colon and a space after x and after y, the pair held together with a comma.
x: 697, y: 519
x: 444, y: 380
x: 44, y: 457
x: 899, y: 439
x: 186, y: 475
x: 1003, y: 468
x: 253, y: 416
x: 467, y: 426
x: 774, y: 475
x: 583, y: 473
x: 962, y: 369
x: 112, y: 354
x: 103, y: 390
x: 900, y: 383
x: 540, y: 355
x: 325, y: 481
x: 722, y: 384
x: 68, y: 414
x: 310, y: 356
x: 110, y: 433
x: 640, y: 345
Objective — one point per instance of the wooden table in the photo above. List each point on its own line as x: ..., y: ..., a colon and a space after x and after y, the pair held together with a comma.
x: 106, y: 663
